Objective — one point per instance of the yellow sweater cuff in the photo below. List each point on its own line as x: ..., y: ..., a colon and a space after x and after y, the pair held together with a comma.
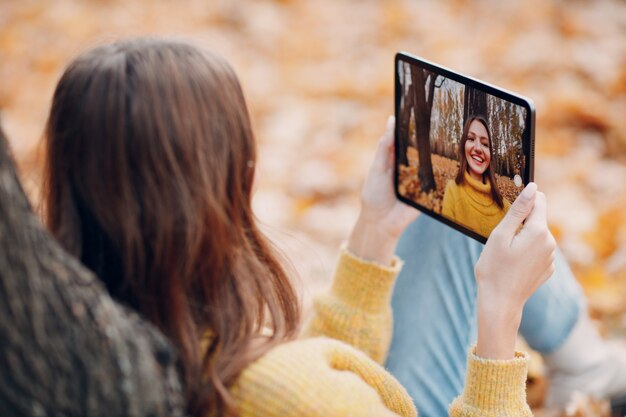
x: 495, y: 387
x: 364, y: 284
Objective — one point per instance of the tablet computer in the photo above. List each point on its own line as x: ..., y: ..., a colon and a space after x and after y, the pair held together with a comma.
x: 464, y: 149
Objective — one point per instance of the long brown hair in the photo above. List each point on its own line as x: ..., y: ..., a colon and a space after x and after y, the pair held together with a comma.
x: 463, y: 165
x: 149, y: 167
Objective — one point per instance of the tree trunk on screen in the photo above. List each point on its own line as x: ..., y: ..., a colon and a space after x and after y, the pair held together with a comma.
x: 66, y: 348
x: 405, y: 118
x: 424, y: 81
x: 475, y: 104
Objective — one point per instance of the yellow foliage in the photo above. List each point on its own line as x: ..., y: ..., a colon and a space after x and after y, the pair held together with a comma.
x: 603, y: 239
x: 606, y: 295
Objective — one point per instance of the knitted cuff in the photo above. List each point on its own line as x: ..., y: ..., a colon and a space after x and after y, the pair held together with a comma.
x: 494, y: 387
x: 364, y: 284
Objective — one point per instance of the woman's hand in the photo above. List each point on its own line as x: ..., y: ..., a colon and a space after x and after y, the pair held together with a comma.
x: 511, y: 267
x: 383, y: 217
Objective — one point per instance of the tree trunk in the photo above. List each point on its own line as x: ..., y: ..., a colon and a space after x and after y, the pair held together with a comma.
x: 66, y: 349
x: 423, y: 108
x: 403, y: 123
x: 475, y: 104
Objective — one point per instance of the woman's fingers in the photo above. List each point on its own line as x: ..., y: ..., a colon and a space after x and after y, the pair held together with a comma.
x: 537, y: 232
x: 536, y: 226
x: 529, y: 255
x: 389, y: 129
x: 384, y: 158
x: 537, y: 217
x: 518, y: 212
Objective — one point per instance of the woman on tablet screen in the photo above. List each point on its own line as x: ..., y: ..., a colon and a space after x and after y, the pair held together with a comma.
x: 472, y: 198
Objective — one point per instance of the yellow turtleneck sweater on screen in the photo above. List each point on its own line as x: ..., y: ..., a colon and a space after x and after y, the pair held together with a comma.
x: 335, y: 369
x: 471, y: 205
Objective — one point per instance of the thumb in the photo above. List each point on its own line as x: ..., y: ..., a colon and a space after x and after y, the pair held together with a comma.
x: 389, y: 130
x: 519, y: 210
x: 385, y: 145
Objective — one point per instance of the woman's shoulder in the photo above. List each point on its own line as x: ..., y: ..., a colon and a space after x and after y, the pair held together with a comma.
x: 308, y: 377
x: 309, y: 349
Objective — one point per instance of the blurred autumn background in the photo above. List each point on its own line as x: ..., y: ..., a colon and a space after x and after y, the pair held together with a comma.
x: 319, y: 80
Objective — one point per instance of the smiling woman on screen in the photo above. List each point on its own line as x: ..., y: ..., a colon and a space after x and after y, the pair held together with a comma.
x: 472, y: 198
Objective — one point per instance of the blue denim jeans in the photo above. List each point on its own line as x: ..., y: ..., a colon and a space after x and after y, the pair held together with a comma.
x: 434, y: 308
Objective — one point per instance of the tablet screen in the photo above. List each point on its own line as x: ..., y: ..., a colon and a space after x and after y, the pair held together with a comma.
x: 462, y: 152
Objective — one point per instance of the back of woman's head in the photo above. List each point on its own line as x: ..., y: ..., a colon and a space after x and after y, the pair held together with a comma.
x: 149, y: 169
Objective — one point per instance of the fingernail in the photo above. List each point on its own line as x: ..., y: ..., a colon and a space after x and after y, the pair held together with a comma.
x: 529, y: 191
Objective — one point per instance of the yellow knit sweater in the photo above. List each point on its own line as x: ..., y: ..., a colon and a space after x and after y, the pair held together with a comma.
x: 471, y: 205
x: 333, y: 371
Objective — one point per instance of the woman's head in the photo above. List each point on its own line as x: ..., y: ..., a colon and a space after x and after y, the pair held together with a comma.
x: 477, y: 149
x: 149, y: 170
x: 475, y: 155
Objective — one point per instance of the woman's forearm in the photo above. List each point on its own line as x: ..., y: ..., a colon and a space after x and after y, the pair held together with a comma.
x: 498, y: 324
x: 383, y: 217
x: 372, y: 242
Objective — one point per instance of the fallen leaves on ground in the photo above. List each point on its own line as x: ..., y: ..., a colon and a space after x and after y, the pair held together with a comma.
x: 320, y: 91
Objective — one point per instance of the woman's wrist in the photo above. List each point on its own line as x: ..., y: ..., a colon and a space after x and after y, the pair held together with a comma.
x: 498, y: 323
x: 371, y: 242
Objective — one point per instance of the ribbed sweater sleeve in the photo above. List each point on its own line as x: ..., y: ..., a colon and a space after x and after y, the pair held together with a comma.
x: 357, y: 309
x: 493, y: 388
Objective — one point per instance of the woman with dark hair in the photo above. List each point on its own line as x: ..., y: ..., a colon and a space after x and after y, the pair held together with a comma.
x: 473, y: 198
x: 150, y: 161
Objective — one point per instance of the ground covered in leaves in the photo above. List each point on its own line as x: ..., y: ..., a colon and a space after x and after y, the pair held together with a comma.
x: 319, y: 81
x: 409, y: 184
